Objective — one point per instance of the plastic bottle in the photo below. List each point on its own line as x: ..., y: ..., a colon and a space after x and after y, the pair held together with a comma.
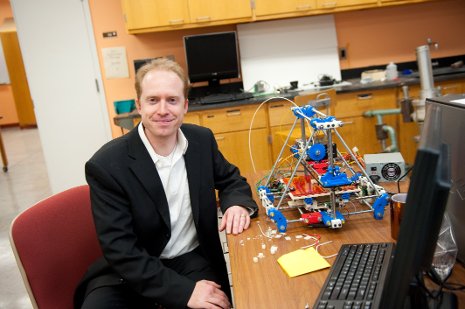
x: 446, y: 250
x: 391, y: 71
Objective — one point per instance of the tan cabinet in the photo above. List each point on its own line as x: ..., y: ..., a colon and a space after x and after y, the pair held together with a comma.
x: 359, y: 131
x: 164, y: 15
x: 382, y: 2
x: 409, y: 132
x: 452, y: 87
x: 144, y: 14
x: 207, y: 11
x: 235, y: 148
x: 330, y: 4
x: 231, y: 129
x: 281, y: 119
x: 192, y: 117
x: 277, y: 7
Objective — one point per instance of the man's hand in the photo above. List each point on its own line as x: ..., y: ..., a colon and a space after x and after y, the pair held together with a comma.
x: 208, y: 295
x: 236, y: 219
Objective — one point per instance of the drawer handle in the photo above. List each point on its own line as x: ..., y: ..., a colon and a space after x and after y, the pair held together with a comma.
x: 276, y: 106
x: 202, y: 18
x: 219, y: 138
x: 233, y: 112
x: 176, y: 21
x: 303, y: 7
x: 210, y: 116
x: 366, y: 96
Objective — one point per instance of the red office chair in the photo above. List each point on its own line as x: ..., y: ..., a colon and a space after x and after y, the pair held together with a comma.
x: 54, y: 242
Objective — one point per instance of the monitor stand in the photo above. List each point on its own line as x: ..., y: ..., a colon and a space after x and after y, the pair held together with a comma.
x: 417, y: 298
x: 202, y: 91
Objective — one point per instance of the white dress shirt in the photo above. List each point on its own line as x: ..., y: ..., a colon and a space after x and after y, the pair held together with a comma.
x: 173, y: 174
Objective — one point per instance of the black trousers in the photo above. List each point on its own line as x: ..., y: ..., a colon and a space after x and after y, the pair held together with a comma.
x: 191, y: 265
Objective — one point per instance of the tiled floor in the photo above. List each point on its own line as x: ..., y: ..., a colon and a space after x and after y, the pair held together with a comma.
x: 24, y: 184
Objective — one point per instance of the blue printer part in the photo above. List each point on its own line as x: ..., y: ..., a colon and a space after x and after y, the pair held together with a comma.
x: 316, y: 152
x: 304, y: 111
x: 334, y: 178
x: 278, y: 218
x: 378, y: 206
x: 327, y: 219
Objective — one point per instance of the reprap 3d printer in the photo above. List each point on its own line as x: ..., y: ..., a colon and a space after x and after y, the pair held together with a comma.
x: 316, y: 179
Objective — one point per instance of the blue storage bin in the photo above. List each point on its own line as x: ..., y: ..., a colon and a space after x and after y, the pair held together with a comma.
x: 124, y: 106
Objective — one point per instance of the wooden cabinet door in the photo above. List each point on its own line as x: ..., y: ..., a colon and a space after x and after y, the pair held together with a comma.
x: 451, y: 87
x: 359, y: 130
x: 272, y: 7
x: 235, y: 148
x: 328, y: 4
x: 409, y: 132
x: 193, y: 118
x: 357, y: 103
x: 278, y: 138
x: 234, y: 119
x: 401, y: 1
x: 141, y: 14
x: 205, y: 11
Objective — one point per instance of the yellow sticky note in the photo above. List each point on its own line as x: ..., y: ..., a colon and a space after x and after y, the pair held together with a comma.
x: 300, y: 262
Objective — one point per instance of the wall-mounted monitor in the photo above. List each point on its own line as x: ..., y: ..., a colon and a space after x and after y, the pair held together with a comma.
x: 212, y: 57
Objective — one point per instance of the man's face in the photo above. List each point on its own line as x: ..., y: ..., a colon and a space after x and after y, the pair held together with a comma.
x: 162, y: 105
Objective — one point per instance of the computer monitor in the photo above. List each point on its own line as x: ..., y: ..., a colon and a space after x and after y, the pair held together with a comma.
x: 423, y: 214
x: 212, y: 57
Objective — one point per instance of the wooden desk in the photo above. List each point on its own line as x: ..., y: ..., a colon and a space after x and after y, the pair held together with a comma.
x: 265, y: 285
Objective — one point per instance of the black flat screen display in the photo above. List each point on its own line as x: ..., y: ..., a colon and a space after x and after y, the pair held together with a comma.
x: 212, y: 57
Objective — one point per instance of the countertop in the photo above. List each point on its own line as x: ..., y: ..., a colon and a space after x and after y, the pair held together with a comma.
x: 351, y: 85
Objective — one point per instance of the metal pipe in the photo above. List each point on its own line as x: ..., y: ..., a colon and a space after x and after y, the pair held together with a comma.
x: 365, y: 197
x: 359, y: 212
x: 381, y: 112
x: 392, y: 136
x: 425, y: 70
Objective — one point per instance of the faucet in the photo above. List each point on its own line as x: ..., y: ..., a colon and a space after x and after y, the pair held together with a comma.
x: 431, y: 43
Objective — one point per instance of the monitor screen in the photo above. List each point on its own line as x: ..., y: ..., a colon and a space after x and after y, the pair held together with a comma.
x: 426, y: 202
x: 212, y: 57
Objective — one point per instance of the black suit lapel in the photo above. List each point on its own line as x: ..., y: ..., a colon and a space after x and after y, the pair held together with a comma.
x: 144, y: 169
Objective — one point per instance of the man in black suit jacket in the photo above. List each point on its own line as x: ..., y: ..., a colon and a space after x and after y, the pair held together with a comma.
x: 154, y: 206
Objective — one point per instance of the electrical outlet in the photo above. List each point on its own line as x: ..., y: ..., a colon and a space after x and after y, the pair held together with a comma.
x: 342, y: 53
x: 109, y: 34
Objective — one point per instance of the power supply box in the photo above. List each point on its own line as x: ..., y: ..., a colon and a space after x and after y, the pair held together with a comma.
x: 389, y: 166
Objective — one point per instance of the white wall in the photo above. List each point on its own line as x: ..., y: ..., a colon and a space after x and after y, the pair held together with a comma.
x: 280, y: 51
x: 61, y: 65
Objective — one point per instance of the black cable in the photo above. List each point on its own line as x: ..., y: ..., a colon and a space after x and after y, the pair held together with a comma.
x: 452, y: 286
x: 401, y: 177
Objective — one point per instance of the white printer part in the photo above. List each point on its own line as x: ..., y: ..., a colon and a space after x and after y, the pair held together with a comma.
x: 383, y: 167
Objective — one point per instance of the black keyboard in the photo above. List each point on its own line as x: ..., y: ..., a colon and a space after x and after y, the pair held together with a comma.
x: 357, y: 277
x: 224, y: 97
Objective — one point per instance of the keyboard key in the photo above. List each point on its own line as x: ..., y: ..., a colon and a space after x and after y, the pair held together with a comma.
x: 322, y: 305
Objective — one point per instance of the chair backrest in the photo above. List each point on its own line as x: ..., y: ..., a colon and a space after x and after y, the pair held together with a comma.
x: 54, y: 243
